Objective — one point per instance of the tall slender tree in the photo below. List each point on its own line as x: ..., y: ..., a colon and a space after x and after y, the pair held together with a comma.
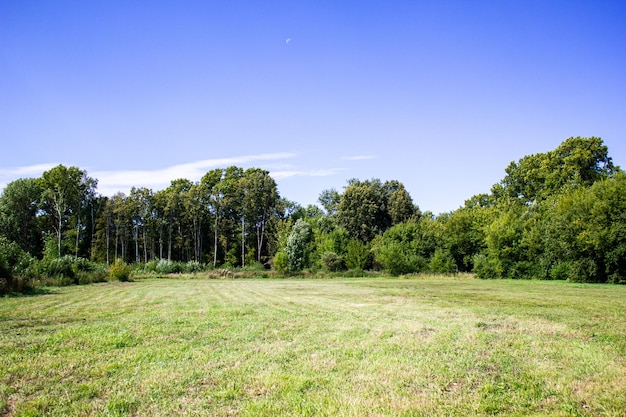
x: 63, y: 191
x: 260, y: 203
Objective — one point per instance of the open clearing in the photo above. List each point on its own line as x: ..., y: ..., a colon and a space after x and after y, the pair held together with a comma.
x: 345, y: 347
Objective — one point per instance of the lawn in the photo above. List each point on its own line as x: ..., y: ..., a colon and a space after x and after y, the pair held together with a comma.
x: 340, y: 347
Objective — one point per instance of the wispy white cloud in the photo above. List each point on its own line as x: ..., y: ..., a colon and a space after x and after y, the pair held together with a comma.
x: 11, y: 174
x: 110, y: 182
x: 279, y: 175
x: 114, y: 181
x: 32, y: 170
x: 358, y: 158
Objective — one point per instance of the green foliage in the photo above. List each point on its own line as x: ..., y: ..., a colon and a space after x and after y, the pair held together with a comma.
x: 68, y: 266
x: 15, y: 267
x: 297, y: 248
x: 120, y: 271
x: 576, y: 162
x: 560, y: 271
x: 327, y: 239
x: 98, y: 274
x: 254, y: 267
x: 13, y: 260
x: 557, y: 215
x: 393, y: 257
x: 358, y: 255
x: 64, y: 191
x: 406, y: 247
x: 463, y: 235
x: 442, y: 262
x: 19, y: 205
x: 329, y: 199
x: 363, y: 209
x: 192, y: 267
x: 401, y: 207
x: 502, y: 238
x: 584, y: 233
x: 281, y: 261
x: 333, y: 262
x: 166, y: 266
x: 486, y: 267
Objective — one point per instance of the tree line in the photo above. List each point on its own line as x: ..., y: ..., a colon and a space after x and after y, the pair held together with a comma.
x: 554, y: 215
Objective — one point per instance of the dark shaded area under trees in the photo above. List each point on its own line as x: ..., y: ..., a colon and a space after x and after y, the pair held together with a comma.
x: 554, y: 215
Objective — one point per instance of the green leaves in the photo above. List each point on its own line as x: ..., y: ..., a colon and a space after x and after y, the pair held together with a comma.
x: 576, y: 162
x: 297, y: 246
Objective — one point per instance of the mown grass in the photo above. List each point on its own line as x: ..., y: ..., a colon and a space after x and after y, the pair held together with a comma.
x: 351, y: 347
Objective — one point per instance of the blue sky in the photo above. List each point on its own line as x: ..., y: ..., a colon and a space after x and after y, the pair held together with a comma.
x: 440, y: 95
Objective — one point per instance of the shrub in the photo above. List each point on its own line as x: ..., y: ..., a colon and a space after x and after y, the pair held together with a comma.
x: 486, y: 267
x: 149, y: 267
x: 560, y: 271
x: 120, y: 271
x: 60, y: 267
x: 69, y: 266
x: 99, y: 273
x: 442, y: 262
x: 358, y: 255
x: 583, y: 270
x: 333, y: 262
x: 192, y: 267
x: 396, y: 261
x: 165, y: 266
x: 281, y: 261
x: 13, y: 260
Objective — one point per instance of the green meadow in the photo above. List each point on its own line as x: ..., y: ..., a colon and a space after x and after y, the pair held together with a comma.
x: 435, y: 346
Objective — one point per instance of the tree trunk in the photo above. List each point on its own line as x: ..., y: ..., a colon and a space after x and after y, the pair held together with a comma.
x: 169, y: 243
x: 59, y: 235
x: 107, y: 237
x: 215, y: 243
x: 77, y: 235
x: 136, y: 235
x: 145, y: 247
x: 243, y: 243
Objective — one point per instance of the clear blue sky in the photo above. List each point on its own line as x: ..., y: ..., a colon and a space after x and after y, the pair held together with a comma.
x: 440, y: 95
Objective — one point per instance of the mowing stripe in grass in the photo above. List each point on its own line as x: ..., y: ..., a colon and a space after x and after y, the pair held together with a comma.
x: 435, y: 346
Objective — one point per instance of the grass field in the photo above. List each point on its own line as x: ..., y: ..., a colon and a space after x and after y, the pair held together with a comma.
x: 345, y: 347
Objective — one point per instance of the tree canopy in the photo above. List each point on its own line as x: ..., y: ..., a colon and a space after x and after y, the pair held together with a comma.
x: 554, y: 215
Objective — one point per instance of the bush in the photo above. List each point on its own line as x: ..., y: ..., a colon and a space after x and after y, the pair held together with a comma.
x: 148, y: 267
x: 357, y: 256
x: 583, y: 270
x: 99, y: 273
x: 396, y: 259
x: 486, y: 267
x: 192, y: 267
x: 165, y: 266
x: 560, y: 271
x: 281, y: 261
x: 333, y: 262
x: 60, y: 267
x: 442, y: 262
x: 68, y: 266
x: 13, y: 260
x: 120, y: 271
